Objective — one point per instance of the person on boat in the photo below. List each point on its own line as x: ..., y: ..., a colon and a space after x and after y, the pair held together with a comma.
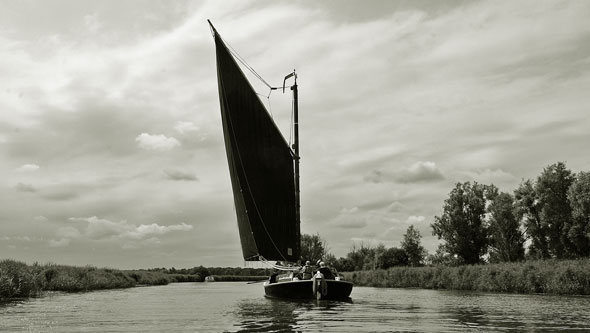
x: 273, y: 276
x: 306, y: 271
x: 326, y: 272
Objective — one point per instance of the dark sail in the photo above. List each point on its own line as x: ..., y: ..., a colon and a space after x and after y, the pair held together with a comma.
x: 261, y: 166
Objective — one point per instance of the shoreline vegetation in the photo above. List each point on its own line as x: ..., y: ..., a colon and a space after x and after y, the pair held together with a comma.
x: 19, y: 280
x: 552, y: 276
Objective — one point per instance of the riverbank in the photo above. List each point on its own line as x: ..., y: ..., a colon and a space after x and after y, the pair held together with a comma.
x: 19, y: 280
x: 238, y: 278
x: 563, y: 277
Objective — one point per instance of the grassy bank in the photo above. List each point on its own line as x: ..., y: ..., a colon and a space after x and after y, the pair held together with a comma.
x: 18, y: 279
x: 566, y: 277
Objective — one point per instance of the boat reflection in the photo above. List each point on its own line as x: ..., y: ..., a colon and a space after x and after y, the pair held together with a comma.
x: 279, y: 315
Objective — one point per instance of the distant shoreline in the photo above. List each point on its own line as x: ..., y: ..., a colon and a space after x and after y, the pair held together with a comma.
x: 560, y: 277
x: 19, y: 280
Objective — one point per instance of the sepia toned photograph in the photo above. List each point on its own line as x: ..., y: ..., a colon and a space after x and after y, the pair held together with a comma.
x: 294, y: 166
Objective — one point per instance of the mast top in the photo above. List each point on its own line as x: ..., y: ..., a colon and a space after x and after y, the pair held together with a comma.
x: 212, y: 27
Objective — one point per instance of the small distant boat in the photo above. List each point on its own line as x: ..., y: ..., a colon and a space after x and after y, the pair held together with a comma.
x: 264, y: 173
x: 209, y: 278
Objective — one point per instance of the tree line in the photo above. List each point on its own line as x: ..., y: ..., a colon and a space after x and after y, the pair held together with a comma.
x: 363, y: 257
x: 547, y: 217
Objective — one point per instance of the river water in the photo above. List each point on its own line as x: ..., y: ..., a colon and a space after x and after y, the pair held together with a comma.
x: 241, y: 307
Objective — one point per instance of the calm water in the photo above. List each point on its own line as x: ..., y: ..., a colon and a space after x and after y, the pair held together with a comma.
x: 240, y: 307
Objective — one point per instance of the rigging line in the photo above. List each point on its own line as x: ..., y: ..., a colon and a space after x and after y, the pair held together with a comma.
x: 243, y: 61
x: 269, y: 106
x: 275, y: 266
x: 246, y: 178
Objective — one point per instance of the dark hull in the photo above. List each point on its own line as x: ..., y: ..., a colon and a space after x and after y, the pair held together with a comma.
x: 303, y: 289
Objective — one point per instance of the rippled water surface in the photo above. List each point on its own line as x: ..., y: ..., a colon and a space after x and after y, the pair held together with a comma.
x: 241, y: 307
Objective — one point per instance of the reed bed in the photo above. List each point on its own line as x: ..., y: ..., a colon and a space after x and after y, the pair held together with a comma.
x: 19, y: 280
x: 563, y: 277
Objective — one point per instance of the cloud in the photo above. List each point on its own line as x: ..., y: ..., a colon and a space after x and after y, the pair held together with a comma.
x: 415, y: 219
x: 374, y: 176
x: 416, y: 173
x: 156, y: 142
x: 395, y: 207
x: 180, y: 175
x: 103, y: 229
x: 420, y: 172
x: 40, y: 218
x: 22, y: 187
x: 28, y: 168
x: 185, y: 126
x: 62, y: 242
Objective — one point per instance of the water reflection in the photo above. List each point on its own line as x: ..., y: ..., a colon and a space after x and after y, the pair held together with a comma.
x: 279, y: 315
x: 232, y: 307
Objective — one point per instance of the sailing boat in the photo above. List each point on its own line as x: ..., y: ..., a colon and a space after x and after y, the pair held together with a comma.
x: 264, y: 173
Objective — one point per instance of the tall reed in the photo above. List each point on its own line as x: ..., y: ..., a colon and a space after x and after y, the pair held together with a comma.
x: 566, y: 277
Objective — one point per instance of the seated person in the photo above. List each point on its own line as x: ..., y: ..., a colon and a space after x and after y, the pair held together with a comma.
x: 326, y: 271
x: 306, y: 271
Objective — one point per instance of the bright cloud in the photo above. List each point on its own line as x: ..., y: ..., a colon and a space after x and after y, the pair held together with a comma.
x: 28, y: 168
x: 103, y: 229
x: 156, y: 142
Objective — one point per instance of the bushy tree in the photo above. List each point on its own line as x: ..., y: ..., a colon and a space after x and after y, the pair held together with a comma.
x: 462, y: 224
x: 579, y: 197
x: 506, y: 238
x: 392, y: 257
x: 556, y: 214
x: 313, y: 248
x: 344, y: 264
x: 415, y: 252
x: 528, y: 212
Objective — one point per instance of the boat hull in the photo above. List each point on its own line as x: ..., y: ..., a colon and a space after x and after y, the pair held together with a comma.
x: 304, y: 289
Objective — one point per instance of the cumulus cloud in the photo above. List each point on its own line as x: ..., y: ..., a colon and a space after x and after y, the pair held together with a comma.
x: 22, y: 187
x: 28, y: 168
x: 180, y: 175
x: 103, y: 229
x: 416, y: 173
x: 156, y: 142
x: 420, y: 172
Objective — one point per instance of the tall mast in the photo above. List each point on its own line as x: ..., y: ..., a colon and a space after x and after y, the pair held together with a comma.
x: 296, y: 153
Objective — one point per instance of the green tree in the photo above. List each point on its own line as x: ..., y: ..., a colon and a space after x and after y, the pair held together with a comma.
x: 442, y: 257
x: 393, y: 256
x: 556, y: 213
x: 362, y: 257
x: 313, y: 248
x: 462, y: 224
x: 344, y: 265
x: 412, y: 247
x: 506, y: 238
x: 528, y: 212
x: 579, y: 197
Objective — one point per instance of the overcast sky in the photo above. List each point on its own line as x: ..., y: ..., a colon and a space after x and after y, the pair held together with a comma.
x: 111, y: 149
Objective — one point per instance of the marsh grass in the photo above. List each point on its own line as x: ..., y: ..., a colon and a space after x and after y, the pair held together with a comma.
x: 19, y: 280
x: 564, y: 277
